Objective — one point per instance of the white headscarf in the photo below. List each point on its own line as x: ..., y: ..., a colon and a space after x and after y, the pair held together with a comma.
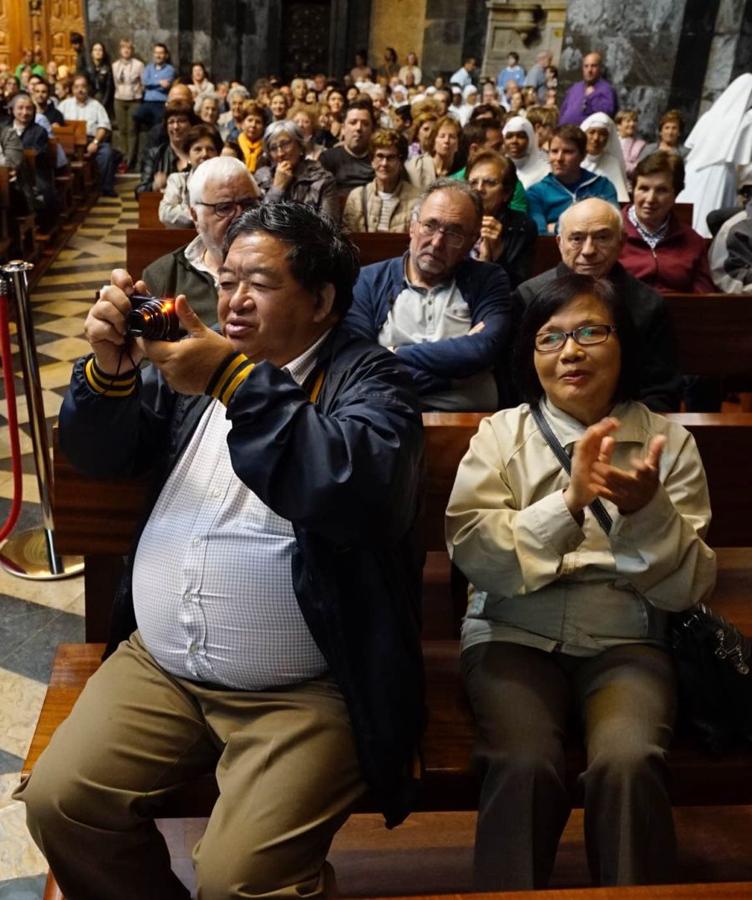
x: 721, y: 140
x: 611, y: 162
x: 532, y: 167
x: 466, y: 110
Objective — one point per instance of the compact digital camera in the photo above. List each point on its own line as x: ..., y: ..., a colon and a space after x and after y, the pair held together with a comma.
x: 153, y: 318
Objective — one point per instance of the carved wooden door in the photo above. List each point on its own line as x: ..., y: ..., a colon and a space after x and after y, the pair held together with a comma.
x: 46, y: 24
x: 306, y: 26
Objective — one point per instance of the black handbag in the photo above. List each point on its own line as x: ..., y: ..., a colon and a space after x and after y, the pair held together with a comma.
x: 713, y: 658
x: 714, y: 666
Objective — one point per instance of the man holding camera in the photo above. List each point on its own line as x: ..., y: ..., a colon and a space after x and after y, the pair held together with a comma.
x: 274, y: 576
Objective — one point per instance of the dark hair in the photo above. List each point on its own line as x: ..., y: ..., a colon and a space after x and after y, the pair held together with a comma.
x: 235, y: 147
x: 179, y: 108
x: 662, y: 163
x: 486, y: 113
x: 197, y: 132
x: 319, y: 252
x: 105, y: 54
x: 515, y: 55
x: 547, y: 302
x: 364, y: 103
x: 164, y: 47
x: 474, y: 133
x: 574, y: 134
x: 203, y: 68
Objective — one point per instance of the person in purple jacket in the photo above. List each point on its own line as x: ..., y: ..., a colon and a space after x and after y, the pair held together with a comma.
x: 592, y: 94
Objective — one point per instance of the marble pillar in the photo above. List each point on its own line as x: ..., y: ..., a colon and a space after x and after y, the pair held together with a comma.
x: 523, y: 27
x: 723, y: 50
x: 639, y: 42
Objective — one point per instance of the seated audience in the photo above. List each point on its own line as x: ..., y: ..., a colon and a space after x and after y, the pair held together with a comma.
x: 200, y: 85
x: 208, y: 109
x: 469, y: 102
x: 201, y: 143
x: 507, y: 236
x: 447, y: 317
x: 350, y: 161
x: 98, y: 130
x: 568, y: 182
x: 40, y: 94
x: 307, y: 121
x: 658, y: 249
x: 521, y: 146
x: 289, y: 460
x: 39, y: 189
x: 411, y: 68
x: 386, y: 203
x: 590, y: 240
x: 670, y: 128
x: 230, y: 123
x: 290, y: 176
x: 632, y: 144
x: 536, y: 75
x: 604, y: 156
x: 167, y: 157
x: 442, y: 157
x: 421, y: 132
x: 566, y: 619
x: 544, y: 120
x: 278, y: 106
x: 251, y: 137
x: 220, y: 191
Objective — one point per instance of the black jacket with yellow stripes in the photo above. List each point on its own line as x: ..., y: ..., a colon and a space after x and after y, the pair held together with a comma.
x: 345, y: 471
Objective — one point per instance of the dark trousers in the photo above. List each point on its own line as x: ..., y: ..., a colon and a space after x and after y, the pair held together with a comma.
x: 522, y: 699
x: 148, y: 114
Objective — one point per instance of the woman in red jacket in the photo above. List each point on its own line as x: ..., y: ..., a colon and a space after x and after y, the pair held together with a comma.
x: 658, y: 249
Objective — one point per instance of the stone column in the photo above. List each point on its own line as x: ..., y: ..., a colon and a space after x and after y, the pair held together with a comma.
x: 525, y: 28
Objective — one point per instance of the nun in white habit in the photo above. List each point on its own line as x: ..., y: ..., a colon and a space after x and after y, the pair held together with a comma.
x: 521, y: 146
x: 604, y: 154
x: 720, y: 141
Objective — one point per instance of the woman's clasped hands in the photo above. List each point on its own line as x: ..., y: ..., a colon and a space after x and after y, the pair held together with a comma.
x: 593, y: 474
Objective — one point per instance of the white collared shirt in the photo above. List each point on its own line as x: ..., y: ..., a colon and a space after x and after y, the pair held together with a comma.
x: 212, y: 578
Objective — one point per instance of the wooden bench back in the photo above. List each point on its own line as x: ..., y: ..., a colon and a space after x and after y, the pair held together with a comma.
x: 72, y: 137
x: 100, y: 517
x: 148, y: 209
x: 144, y: 245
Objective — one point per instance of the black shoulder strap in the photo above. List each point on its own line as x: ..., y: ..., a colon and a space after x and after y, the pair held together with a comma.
x: 596, y: 507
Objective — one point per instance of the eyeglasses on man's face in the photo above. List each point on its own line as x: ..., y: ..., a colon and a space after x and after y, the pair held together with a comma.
x: 453, y: 235
x: 229, y: 207
x: 585, y: 336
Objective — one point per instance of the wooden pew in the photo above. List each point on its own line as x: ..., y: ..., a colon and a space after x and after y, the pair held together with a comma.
x: 148, y: 209
x: 72, y: 137
x: 97, y: 519
x: 5, y: 238
x: 144, y: 245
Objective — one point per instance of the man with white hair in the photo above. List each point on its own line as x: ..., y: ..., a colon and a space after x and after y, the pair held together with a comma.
x: 536, y: 76
x: 219, y: 191
x: 590, y: 239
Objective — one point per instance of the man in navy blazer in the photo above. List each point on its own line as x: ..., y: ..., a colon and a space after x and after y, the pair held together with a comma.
x: 447, y: 317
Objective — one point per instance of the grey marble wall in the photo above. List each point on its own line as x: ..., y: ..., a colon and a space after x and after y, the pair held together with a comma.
x: 639, y: 41
x: 144, y: 21
x: 455, y: 29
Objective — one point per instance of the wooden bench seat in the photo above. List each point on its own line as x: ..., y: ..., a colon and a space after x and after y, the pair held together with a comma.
x: 736, y: 890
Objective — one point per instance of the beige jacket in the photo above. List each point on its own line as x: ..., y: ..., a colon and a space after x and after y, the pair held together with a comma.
x: 539, y: 579
x: 421, y: 171
x: 354, y: 220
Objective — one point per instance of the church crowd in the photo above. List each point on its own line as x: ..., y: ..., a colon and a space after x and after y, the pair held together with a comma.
x: 293, y: 431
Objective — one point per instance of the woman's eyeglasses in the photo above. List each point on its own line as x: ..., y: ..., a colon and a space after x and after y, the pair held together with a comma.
x: 585, y: 336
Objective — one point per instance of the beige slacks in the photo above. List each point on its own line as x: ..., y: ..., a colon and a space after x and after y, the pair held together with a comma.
x: 286, y: 768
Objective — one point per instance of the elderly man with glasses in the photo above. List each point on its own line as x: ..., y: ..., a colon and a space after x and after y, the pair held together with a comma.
x: 447, y: 317
x: 219, y: 191
x: 591, y: 235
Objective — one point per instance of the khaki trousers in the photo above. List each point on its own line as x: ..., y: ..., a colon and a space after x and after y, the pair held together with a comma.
x: 126, y: 136
x: 285, y: 764
x: 523, y: 700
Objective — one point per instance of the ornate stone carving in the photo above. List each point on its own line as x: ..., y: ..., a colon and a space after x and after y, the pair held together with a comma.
x: 523, y: 27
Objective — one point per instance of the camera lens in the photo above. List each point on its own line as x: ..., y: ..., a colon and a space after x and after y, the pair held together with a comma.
x: 155, y: 320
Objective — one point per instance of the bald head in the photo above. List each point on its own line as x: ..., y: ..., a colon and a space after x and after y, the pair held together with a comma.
x: 590, y: 237
x: 180, y: 92
x: 591, y: 68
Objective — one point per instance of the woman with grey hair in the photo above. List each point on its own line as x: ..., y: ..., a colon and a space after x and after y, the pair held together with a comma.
x: 291, y: 176
x: 230, y: 123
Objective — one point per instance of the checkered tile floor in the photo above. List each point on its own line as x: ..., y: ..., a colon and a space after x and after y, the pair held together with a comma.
x: 36, y: 616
